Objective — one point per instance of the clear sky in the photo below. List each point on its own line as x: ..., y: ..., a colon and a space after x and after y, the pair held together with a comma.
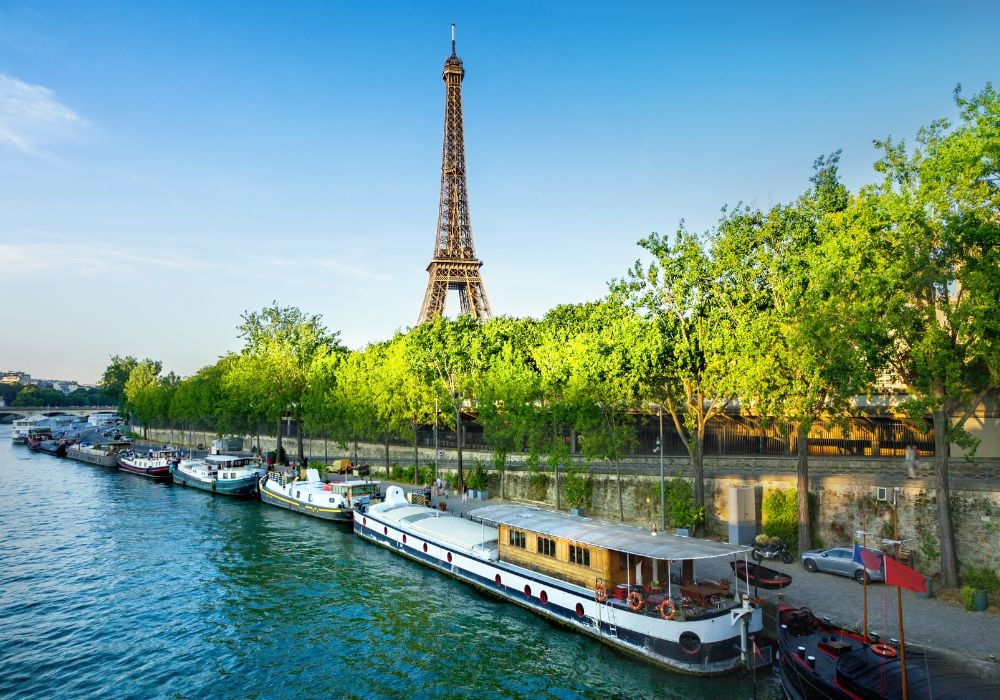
x: 165, y: 167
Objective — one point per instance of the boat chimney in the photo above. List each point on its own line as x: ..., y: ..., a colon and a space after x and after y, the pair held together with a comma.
x: 811, y: 660
x: 873, y: 637
x: 801, y: 651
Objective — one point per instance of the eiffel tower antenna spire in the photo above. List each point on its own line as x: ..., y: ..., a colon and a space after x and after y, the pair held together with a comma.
x: 454, y: 264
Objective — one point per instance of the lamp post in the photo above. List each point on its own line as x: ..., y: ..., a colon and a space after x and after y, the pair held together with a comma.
x: 659, y: 448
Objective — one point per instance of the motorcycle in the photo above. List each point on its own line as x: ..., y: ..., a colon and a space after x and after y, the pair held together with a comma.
x: 775, y: 549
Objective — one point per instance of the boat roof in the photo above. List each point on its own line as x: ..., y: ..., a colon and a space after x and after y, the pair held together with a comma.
x: 598, y: 533
x: 442, y: 527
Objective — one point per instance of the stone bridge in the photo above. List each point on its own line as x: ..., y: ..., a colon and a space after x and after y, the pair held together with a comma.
x: 9, y: 414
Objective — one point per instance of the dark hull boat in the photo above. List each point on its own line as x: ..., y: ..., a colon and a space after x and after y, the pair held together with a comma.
x: 53, y: 447
x: 820, y: 661
x: 760, y: 576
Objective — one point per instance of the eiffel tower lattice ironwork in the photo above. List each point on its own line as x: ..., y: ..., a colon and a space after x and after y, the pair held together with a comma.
x: 454, y: 265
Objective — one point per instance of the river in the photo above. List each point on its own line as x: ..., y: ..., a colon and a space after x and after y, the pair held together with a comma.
x: 113, y: 586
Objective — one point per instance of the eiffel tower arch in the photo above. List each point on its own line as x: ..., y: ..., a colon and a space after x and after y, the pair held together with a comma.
x: 454, y: 265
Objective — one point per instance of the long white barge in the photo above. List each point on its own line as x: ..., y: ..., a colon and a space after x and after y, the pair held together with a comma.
x: 569, y: 569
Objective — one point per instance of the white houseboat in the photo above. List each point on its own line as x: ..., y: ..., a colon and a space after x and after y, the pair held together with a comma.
x: 312, y: 496
x: 602, y: 579
x: 229, y: 475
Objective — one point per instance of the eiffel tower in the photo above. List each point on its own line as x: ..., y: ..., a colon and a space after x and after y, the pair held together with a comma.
x: 454, y: 264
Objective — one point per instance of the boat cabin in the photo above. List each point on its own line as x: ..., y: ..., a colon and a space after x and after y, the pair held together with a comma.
x: 599, y: 555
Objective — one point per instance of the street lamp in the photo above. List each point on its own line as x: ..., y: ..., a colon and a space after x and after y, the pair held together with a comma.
x: 659, y: 448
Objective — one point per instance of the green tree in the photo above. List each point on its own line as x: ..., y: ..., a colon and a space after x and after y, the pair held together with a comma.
x: 115, y: 375
x: 272, y: 370
x: 142, y: 399
x: 927, y: 236
x: 689, y: 346
x: 446, y: 352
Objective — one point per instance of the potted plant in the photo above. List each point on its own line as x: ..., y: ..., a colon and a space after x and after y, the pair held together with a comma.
x: 976, y: 586
x: 577, y: 490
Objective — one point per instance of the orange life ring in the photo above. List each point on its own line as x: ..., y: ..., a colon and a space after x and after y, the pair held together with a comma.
x: 601, y: 592
x: 884, y: 650
x: 667, y: 604
x: 635, y: 601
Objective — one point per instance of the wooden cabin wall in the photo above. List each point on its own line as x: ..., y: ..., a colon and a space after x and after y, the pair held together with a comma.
x: 604, y: 564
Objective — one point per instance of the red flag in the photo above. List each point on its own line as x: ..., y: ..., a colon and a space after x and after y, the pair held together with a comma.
x: 871, y: 560
x: 897, y: 574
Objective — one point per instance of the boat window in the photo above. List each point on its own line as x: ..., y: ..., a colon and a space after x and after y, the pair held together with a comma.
x: 579, y: 555
x: 517, y: 539
x: 546, y: 546
x: 310, y: 498
x: 416, y: 517
x: 298, y: 494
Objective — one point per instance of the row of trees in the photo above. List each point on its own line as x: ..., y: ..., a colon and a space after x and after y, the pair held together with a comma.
x: 788, y: 312
x: 31, y: 395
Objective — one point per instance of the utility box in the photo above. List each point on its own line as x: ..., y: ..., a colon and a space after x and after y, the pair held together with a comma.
x: 742, y: 515
x: 230, y: 443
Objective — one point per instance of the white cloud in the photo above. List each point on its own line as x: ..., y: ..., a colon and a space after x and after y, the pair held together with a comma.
x: 340, y: 267
x: 31, y: 117
x: 86, y: 259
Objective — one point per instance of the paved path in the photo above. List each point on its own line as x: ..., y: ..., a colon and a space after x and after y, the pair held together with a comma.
x: 973, y: 638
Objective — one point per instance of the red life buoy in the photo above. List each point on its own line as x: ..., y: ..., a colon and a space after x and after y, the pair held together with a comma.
x: 664, y: 607
x: 635, y: 601
x: 601, y: 592
x: 884, y: 650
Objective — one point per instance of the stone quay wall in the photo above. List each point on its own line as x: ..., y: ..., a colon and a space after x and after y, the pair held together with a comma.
x: 844, y: 486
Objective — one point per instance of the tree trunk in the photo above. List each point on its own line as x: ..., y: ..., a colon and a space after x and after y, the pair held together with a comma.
x: 277, y: 447
x: 300, y: 438
x: 698, y: 467
x: 458, y: 440
x: 621, y: 503
x: 802, y: 485
x: 416, y: 455
x: 949, y: 560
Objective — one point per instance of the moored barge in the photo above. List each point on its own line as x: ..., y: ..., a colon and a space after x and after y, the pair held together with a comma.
x: 312, y: 496
x: 226, y: 474
x: 600, y: 578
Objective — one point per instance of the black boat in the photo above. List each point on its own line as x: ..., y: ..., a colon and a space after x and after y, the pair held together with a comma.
x: 53, y: 447
x: 820, y: 661
x: 760, y: 576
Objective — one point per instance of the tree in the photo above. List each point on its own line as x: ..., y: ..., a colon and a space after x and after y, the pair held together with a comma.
x: 928, y: 237
x: 272, y: 370
x: 115, y: 375
x: 445, y: 352
x: 689, y: 338
x: 803, y: 355
x: 142, y: 399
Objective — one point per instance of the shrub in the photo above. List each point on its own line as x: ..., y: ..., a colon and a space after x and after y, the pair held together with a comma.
x: 538, y: 486
x: 968, y: 597
x: 981, y: 578
x: 478, y: 478
x: 681, y: 511
x: 577, y: 488
x: 780, y: 515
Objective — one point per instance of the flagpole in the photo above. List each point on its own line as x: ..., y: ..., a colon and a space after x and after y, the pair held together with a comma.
x: 899, y: 605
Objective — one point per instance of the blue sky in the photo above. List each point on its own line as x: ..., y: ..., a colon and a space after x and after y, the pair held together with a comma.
x: 165, y: 167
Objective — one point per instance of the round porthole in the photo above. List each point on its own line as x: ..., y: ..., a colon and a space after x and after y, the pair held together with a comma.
x: 449, y: 557
x: 385, y: 531
x: 527, y: 591
x: 425, y: 548
x: 544, y: 597
x: 579, y: 609
x: 496, y: 579
x: 690, y: 642
x: 364, y: 521
x: 404, y: 539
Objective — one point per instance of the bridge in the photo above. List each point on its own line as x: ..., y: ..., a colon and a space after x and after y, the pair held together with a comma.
x: 9, y: 414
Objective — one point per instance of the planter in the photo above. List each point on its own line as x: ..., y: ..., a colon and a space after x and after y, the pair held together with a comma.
x: 683, y: 532
x: 577, y: 512
x: 483, y: 495
x: 980, y: 601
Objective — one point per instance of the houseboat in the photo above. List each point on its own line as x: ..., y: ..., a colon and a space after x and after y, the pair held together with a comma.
x: 602, y: 579
x: 23, y: 428
x: 154, y: 463
x: 331, y: 501
x: 102, y: 454
x: 225, y: 474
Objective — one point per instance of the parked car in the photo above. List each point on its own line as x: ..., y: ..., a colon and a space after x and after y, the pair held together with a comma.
x: 838, y: 560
